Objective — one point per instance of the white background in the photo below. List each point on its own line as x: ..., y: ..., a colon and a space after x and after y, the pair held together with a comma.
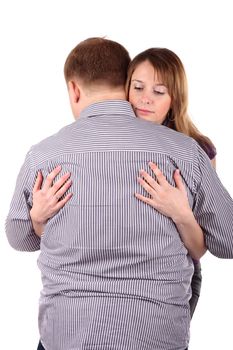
x: 36, y: 37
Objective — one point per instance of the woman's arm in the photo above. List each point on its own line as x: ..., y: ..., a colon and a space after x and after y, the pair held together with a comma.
x: 46, y: 198
x: 173, y: 202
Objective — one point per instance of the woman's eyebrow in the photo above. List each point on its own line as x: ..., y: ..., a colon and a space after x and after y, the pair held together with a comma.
x: 139, y: 81
x: 160, y: 84
x: 156, y: 84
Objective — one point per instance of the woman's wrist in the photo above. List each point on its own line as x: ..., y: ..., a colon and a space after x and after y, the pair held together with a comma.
x: 36, y: 219
x: 38, y: 225
x: 184, y: 217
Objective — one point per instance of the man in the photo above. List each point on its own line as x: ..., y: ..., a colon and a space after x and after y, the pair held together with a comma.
x: 115, y: 272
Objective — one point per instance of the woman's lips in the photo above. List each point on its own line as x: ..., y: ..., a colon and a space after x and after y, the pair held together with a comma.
x: 143, y: 111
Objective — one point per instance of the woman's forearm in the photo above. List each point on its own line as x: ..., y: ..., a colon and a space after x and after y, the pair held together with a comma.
x: 191, y: 235
x: 37, y: 226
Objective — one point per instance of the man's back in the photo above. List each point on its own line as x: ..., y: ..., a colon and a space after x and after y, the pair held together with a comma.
x: 115, y: 272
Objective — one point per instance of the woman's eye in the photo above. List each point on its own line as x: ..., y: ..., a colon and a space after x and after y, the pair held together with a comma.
x: 159, y: 92
x: 137, y: 88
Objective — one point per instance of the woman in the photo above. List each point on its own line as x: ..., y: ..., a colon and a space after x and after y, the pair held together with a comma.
x: 157, y: 90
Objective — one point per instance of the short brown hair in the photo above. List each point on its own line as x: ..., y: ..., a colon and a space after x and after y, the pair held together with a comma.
x: 98, y: 60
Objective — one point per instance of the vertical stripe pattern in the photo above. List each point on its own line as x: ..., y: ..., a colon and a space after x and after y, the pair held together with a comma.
x: 115, y: 272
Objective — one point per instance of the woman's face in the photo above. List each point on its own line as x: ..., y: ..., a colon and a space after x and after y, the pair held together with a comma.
x: 149, y: 96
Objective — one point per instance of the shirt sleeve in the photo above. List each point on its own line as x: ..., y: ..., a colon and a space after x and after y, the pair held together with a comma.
x: 19, y: 229
x: 213, y: 208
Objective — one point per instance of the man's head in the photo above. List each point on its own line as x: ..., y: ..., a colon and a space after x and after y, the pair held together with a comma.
x: 95, y: 70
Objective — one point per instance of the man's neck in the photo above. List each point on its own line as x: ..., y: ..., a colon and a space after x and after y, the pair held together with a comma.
x: 97, y: 94
x: 99, y: 97
x: 105, y: 95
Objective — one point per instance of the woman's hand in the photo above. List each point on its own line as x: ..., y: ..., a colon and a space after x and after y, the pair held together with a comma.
x: 168, y: 200
x: 46, y: 199
x: 173, y: 202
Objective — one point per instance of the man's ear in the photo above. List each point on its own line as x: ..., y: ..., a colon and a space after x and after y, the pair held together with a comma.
x: 74, y: 91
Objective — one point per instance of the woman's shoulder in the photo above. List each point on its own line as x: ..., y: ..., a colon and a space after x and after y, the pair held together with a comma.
x: 208, y: 147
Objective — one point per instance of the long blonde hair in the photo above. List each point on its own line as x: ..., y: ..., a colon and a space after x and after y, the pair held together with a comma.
x: 171, y: 71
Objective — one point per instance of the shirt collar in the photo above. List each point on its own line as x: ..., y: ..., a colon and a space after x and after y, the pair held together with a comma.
x: 108, y: 107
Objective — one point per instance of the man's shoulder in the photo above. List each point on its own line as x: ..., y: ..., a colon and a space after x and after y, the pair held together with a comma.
x: 163, y: 134
x: 57, y: 136
x: 52, y: 144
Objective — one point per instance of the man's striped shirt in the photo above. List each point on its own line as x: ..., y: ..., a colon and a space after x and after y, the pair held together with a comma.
x: 115, y: 272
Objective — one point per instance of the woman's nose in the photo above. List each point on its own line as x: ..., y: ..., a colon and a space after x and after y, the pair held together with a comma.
x: 146, y: 99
